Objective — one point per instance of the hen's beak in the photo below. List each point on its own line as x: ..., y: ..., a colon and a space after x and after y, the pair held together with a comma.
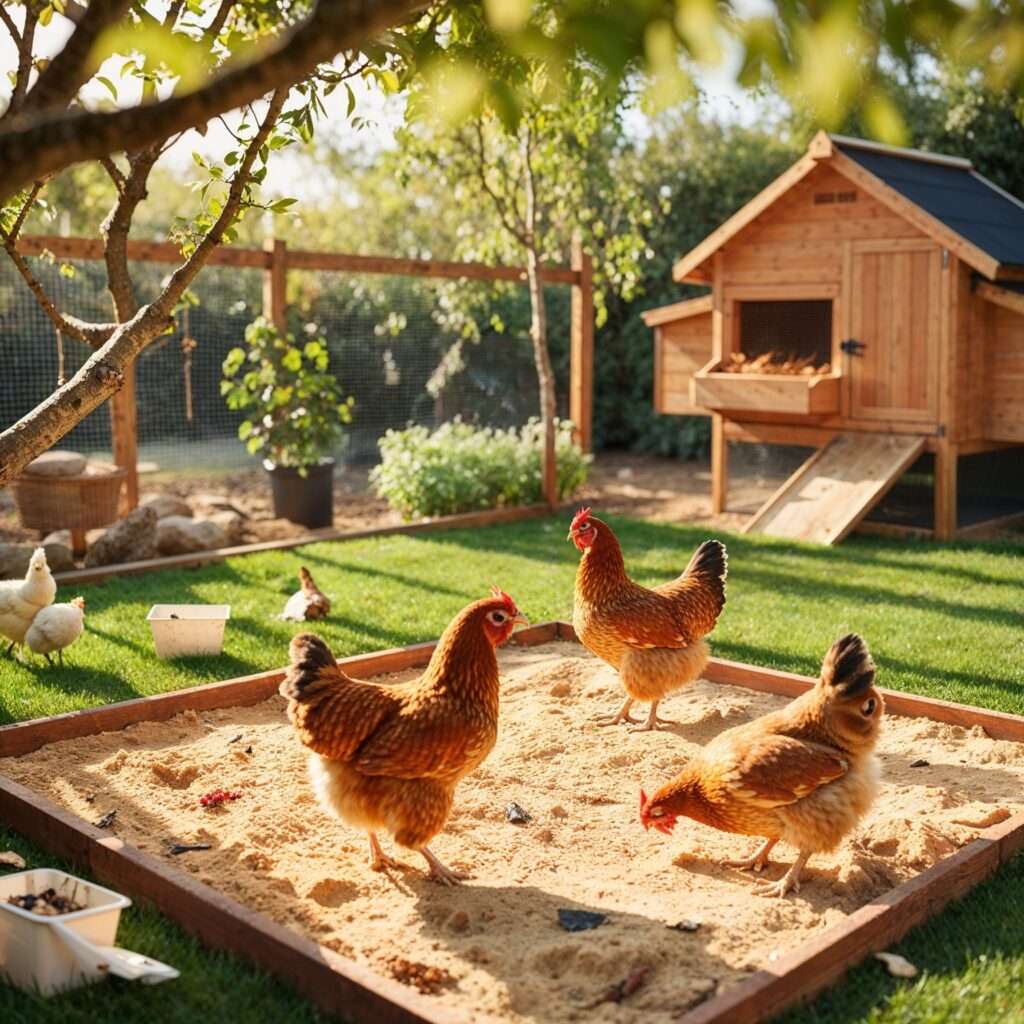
x: 570, y: 535
x: 520, y: 620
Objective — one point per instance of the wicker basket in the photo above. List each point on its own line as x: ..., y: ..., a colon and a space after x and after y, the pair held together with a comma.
x: 83, y: 502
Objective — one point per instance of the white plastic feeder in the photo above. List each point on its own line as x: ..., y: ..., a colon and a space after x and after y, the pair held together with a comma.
x: 184, y: 629
x: 52, y: 954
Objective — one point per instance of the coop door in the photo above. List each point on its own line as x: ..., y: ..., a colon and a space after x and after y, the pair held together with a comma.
x: 892, y: 341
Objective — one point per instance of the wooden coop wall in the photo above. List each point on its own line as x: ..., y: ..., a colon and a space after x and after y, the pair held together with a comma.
x: 1002, y: 402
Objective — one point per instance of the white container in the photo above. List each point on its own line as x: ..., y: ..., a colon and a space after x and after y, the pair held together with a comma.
x: 184, y: 629
x: 51, y: 954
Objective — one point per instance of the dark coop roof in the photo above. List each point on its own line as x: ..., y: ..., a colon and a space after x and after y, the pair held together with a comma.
x: 952, y: 192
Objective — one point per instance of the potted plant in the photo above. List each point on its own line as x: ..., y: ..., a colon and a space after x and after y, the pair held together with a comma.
x: 295, y: 415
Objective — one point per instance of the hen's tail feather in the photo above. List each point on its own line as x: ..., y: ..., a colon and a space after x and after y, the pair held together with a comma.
x: 311, y: 663
x: 848, y: 666
x: 710, y: 564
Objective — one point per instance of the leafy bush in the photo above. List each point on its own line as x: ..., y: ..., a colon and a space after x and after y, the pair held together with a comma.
x: 461, y: 468
x: 295, y: 413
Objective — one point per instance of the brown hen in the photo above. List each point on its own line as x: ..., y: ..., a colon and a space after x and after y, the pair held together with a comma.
x: 805, y: 774
x: 653, y: 637
x: 388, y: 757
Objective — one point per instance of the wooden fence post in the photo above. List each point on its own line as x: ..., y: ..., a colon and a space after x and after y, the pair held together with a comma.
x: 581, y: 347
x: 124, y: 439
x: 275, y: 284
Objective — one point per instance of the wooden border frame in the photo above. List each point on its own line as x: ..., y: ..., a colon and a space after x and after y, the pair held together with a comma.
x: 339, y: 985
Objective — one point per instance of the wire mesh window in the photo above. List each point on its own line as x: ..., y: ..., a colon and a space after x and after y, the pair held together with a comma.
x: 792, y: 329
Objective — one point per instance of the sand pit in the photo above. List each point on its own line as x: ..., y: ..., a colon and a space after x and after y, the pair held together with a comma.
x: 494, y: 947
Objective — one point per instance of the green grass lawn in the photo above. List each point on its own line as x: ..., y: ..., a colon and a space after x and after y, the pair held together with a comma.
x: 942, y: 620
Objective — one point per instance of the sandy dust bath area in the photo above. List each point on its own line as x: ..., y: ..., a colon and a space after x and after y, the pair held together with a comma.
x: 494, y: 947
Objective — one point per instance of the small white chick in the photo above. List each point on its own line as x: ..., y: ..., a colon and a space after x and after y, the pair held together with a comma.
x: 56, y: 627
x: 20, y: 600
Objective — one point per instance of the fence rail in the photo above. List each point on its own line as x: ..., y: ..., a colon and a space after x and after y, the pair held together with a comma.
x: 275, y: 260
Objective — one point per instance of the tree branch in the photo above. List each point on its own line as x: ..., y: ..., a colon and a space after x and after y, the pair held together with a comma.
x: 103, y: 373
x: 499, y: 206
x: 71, y: 68
x: 214, y: 28
x: 8, y: 22
x: 25, y: 41
x: 54, y: 142
x: 114, y: 172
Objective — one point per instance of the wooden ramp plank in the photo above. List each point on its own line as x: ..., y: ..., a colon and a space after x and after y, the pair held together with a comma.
x: 837, y: 487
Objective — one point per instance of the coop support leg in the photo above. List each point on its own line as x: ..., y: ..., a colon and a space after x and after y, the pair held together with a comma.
x: 719, y: 465
x: 78, y: 543
x: 945, y: 491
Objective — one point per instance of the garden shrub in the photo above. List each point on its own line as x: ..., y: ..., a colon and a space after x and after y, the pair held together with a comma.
x: 462, y: 468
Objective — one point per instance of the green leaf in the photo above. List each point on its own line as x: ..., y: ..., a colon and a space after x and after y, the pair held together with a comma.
x: 244, y: 429
x: 46, y: 15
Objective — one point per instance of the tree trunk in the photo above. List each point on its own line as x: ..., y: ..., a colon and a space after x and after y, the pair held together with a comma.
x: 539, y: 336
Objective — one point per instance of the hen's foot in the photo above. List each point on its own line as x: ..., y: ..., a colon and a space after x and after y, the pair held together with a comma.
x: 379, y: 860
x: 440, y: 871
x: 790, y: 880
x: 653, y: 720
x: 622, y: 715
x: 757, y: 861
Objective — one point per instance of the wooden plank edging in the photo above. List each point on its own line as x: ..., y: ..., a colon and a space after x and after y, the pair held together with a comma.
x: 462, y: 521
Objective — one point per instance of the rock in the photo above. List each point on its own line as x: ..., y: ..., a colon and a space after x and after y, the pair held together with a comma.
x: 216, y: 502
x: 580, y: 920
x: 231, y: 523
x: 165, y: 505
x: 275, y: 529
x: 57, y: 463
x: 516, y: 814
x: 179, y: 535
x: 58, y: 537
x: 132, y: 539
x: 59, y: 557
x: 14, y: 559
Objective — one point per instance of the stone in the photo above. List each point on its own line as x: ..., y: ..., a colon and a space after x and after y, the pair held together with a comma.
x: 58, y: 537
x: 59, y: 557
x: 275, y: 529
x: 231, y: 523
x: 132, y: 539
x: 14, y: 559
x: 179, y: 535
x: 166, y: 505
x: 57, y: 463
x: 215, y: 502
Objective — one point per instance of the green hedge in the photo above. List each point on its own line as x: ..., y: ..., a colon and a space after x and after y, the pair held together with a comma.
x: 462, y: 468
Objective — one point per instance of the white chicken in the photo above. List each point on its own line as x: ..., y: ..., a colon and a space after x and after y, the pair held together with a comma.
x: 21, y: 600
x: 56, y: 627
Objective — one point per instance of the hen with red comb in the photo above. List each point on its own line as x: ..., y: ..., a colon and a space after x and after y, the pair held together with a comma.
x: 653, y: 637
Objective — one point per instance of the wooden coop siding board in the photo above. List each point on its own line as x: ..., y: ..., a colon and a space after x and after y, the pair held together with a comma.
x: 682, y: 347
x: 1004, y: 385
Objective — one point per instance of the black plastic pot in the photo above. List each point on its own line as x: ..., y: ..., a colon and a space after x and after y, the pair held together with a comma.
x: 307, y: 500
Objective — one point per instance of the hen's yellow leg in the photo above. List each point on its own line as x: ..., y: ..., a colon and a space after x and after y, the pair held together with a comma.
x: 379, y: 860
x: 440, y: 871
x: 757, y: 861
x: 622, y: 715
x: 652, y: 719
x: 790, y: 880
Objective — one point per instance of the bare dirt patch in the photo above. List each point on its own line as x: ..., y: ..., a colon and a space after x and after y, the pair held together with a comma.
x: 495, y: 946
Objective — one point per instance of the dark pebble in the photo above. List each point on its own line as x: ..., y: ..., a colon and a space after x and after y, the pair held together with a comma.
x: 176, y: 848
x: 580, y: 920
x: 919, y: 763
x: 107, y: 820
x: 684, y: 926
x: 516, y: 814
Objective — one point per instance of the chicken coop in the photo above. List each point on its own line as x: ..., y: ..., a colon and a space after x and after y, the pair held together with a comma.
x: 867, y: 305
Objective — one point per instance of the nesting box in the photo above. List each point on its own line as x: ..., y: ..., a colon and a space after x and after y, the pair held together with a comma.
x: 890, y: 283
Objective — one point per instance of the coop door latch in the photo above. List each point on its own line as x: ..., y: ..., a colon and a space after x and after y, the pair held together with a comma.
x: 852, y: 346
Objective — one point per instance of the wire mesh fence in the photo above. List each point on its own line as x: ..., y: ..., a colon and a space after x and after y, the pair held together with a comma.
x: 408, y: 350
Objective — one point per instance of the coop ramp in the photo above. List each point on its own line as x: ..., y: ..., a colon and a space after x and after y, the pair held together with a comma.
x: 836, y: 487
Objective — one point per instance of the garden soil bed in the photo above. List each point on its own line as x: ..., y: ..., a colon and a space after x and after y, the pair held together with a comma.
x: 493, y: 948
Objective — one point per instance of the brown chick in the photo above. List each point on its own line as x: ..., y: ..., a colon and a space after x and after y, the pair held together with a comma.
x: 805, y: 774
x: 653, y: 637
x: 309, y: 602
x: 388, y: 757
